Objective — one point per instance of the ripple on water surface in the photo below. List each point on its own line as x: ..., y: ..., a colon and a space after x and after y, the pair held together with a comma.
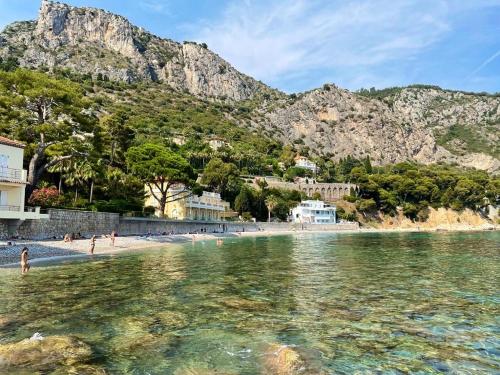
x: 315, y: 304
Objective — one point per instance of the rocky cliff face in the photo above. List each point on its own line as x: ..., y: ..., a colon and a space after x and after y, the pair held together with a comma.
x: 422, y: 124
x: 96, y: 42
x: 426, y: 125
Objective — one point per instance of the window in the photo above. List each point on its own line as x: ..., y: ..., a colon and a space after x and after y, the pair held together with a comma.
x: 3, y: 198
x: 4, y: 165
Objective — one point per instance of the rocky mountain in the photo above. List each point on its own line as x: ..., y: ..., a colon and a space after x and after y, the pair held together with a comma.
x: 102, y: 44
x: 421, y: 123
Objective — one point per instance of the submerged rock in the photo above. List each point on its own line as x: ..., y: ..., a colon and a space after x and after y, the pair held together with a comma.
x: 282, y: 360
x: 44, y: 354
x: 245, y: 304
x: 80, y: 370
x: 200, y: 371
x: 172, y: 319
x: 5, y: 321
x: 144, y: 334
x: 285, y: 360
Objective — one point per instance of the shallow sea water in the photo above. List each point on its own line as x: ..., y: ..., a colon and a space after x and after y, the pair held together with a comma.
x: 346, y: 303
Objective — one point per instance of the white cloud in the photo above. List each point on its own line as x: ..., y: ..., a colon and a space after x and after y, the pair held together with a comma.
x: 271, y: 40
x: 157, y: 6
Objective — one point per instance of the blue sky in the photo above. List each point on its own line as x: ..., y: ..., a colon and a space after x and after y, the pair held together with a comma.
x: 297, y: 45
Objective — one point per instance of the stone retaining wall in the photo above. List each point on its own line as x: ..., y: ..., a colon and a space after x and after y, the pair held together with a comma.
x: 135, y: 226
x: 283, y: 227
x: 61, y: 222
x: 88, y: 223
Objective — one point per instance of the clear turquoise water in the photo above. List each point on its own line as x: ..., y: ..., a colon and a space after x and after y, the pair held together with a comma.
x: 347, y: 303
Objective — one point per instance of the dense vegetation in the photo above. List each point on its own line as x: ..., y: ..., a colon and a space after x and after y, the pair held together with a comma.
x: 415, y: 188
x: 94, y: 144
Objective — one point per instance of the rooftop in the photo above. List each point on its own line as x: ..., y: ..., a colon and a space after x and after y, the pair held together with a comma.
x: 10, y: 142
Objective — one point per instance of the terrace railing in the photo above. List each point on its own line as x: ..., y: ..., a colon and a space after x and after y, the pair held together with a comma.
x: 4, y: 207
x: 11, y: 174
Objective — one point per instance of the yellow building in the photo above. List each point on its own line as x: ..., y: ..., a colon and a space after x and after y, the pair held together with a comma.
x: 13, y: 183
x: 185, y: 206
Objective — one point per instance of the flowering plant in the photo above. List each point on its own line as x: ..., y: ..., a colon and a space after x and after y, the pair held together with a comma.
x: 45, y: 197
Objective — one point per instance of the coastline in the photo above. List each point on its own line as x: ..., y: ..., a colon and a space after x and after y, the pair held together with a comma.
x: 46, y: 251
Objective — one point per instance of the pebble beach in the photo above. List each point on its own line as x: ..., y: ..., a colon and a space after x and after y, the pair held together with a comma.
x: 52, y: 249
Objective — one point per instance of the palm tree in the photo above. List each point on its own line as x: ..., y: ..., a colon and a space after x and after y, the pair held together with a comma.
x: 61, y: 168
x: 79, y: 173
x: 88, y: 173
x: 271, y: 203
x: 73, y: 178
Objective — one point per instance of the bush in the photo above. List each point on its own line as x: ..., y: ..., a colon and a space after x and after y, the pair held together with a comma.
x: 149, y: 211
x: 366, y: 205
x: 246, y: 216
x: 350, y: 198
x: 46, y: 197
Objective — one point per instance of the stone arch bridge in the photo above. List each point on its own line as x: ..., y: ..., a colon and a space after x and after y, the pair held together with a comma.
x: 328, y: 191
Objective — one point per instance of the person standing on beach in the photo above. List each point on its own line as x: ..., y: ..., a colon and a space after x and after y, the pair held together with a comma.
x: 113, y: 236
x: 92, y: 245
x: 24, y: 261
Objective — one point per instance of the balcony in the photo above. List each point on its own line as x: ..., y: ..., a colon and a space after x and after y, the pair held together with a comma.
x: 4, y: 207
x: 18, y: 213
x: 12, y: 175
x: 204, y: 205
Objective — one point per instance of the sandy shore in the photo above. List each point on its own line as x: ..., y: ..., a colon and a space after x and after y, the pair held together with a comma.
x: 41, y: 251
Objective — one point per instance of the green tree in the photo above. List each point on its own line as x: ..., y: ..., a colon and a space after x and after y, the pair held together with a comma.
x: 159, y: 168
x: 366, y: 205
x: 244, y: 200
x: 287, y: 156
x: 49, y: 114
x: 218, y: 174
x: 271, y: 203
x: 118, y: 134
x: 368, y: 165
x: 316, y: 196
x: 294, y: 172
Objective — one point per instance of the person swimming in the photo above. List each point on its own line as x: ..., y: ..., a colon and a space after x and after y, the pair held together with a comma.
x: 25, y: 267
x: 92, y: 244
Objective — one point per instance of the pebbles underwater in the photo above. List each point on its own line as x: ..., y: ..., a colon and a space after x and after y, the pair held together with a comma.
x: 367, y: 303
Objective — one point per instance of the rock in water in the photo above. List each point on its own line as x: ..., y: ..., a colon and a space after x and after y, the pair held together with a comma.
x: 46, y: 354
x: 37, y: 336
x: 199, y: 371
x: 285, y: 360
x: 282, y: 360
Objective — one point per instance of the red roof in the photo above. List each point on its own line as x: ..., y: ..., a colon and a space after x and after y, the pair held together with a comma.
x: 10, y: 142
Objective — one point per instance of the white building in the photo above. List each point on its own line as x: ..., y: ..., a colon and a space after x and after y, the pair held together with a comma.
x: 13, y: 184
x: 314, y: 212
x: 303, y: 162
x: 215, y: 143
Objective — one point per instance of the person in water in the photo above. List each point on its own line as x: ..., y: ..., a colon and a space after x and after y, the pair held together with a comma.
x: 113, y: 236
x: 92, y: 244
x: 24, y: 260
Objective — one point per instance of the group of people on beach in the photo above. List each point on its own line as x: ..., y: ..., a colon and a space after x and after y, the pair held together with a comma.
x: 112, y: 237
x: 67, y: 238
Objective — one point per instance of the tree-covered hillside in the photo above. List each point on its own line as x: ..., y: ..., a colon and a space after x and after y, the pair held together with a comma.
x: 85, y: 137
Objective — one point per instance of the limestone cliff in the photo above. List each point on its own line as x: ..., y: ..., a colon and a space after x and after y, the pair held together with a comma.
x: 440, y: 219
x: 96, y: 42
x: 422, y: 124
